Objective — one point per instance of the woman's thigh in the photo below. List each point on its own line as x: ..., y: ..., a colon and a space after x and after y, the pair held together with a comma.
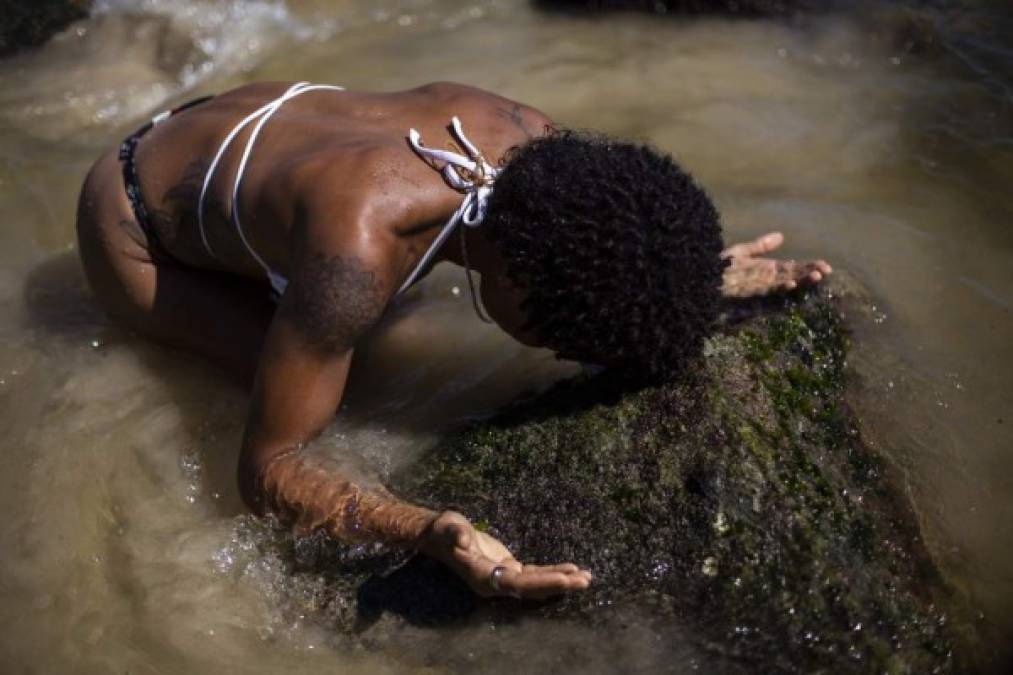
x: 221, y: 317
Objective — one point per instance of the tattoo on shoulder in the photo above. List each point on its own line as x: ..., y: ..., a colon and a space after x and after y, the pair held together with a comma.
x: 333, y: 300
x: 514, y: 115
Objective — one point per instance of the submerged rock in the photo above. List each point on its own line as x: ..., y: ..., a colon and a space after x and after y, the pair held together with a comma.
x: 27, y: 24
x: 739, y: 502
x: 740, y: 499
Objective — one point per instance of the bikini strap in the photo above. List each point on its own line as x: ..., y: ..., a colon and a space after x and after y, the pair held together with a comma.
x: 470, y: 175
x: 261, y: 116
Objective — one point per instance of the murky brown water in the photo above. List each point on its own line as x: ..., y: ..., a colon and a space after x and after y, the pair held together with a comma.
x: 122, y: 545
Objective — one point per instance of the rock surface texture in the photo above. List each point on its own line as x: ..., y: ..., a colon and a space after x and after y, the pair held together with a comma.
x: 739, y: 7
x: 27, y: 24
x: 738, y: 502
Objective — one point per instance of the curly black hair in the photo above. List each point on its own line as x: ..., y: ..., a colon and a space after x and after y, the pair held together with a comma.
x: 616, y: 246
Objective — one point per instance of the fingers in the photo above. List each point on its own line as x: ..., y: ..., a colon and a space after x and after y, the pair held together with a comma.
x: 537, y: 582
x: 489, y: 568
x: 759, y: 246
x: 822, y: 266
x: 565, y: 568
x: 765, y: 244
x: 807, y: 274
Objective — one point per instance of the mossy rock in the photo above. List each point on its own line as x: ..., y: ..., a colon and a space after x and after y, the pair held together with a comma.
x: 740, y: 499
x: 729, y: 7
x: 28, y: 24
x: 739, y: 502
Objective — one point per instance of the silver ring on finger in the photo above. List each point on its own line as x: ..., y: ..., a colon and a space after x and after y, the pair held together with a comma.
x: 496, y: 576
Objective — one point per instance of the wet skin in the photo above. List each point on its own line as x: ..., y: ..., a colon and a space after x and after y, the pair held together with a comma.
x: 334, y: 199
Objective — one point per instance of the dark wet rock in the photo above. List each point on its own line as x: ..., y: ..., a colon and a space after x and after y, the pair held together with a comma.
x: 28, y: 24
x: 738, y: 502
x: 733, y: 7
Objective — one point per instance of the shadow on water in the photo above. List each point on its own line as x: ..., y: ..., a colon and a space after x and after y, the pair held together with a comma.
x: 61, y: 308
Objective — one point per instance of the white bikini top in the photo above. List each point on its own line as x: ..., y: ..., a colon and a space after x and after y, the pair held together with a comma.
x: 470, y: 175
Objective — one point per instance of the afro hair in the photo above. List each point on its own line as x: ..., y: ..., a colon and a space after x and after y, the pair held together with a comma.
x: 617, y: 248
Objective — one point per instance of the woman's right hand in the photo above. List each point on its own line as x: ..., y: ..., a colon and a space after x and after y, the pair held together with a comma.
x: 474, y: 555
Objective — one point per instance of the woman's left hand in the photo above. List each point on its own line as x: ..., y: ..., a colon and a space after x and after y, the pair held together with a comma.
x: 749, y: 274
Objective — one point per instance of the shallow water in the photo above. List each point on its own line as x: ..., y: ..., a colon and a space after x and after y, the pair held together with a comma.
x: 123, y: 547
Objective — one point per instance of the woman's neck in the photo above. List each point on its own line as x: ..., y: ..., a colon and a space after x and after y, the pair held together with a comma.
x: 476, y: 251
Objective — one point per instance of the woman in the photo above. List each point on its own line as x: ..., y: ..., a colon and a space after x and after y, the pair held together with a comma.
x: 267, y: 229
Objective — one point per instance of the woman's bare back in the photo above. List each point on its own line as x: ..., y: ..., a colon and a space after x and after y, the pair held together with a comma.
x: 348, y: 149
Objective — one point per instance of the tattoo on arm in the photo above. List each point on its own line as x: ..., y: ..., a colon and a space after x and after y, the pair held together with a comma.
x: 333, y: 300
x: 309, y: 493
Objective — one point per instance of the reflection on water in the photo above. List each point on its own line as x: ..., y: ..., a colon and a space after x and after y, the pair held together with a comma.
x: 883, y: 142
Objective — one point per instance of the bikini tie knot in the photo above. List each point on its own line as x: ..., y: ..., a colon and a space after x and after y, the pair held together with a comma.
x: 469, y: 173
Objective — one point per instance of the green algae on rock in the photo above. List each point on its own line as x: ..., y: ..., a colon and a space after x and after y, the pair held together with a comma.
x: 740, y: 501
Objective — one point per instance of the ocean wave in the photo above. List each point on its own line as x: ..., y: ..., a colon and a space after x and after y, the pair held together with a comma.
x: 225, y: 37
x: 130, y: 57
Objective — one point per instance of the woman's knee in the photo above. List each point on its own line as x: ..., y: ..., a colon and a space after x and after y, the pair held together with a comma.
x: 119, y: 271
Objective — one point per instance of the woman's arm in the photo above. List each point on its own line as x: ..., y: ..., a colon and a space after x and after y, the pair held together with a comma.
x: 332, y: 299
x: 330, y: 302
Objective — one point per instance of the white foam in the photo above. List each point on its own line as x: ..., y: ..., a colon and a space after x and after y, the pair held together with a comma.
x: 227, y: 37
x: 131, y: 57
